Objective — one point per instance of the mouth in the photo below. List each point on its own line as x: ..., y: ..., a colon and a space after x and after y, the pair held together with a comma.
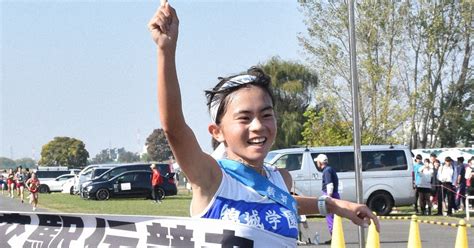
x: 257, y: 141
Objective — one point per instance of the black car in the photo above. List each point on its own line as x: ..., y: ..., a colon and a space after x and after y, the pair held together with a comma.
x: 165, y: 170
x: 129, y: 184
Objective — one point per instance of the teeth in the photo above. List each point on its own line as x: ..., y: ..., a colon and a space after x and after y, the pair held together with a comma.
x: 257, y: 140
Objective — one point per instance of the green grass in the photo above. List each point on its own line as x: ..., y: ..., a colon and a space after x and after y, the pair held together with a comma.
x: 65, y: 203
x: 173, y: 206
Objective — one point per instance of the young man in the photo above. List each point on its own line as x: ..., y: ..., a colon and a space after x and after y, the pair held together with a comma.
x: 330, y: 185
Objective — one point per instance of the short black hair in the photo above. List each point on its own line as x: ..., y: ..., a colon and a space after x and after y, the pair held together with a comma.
x: 217, y: 94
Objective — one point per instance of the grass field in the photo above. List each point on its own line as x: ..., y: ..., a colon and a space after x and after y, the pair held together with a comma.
x: 65, y: 203
x: 171, y: 206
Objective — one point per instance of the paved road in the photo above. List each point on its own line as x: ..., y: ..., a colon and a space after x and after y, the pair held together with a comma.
x: 9, y: 204
x: 394, y: 233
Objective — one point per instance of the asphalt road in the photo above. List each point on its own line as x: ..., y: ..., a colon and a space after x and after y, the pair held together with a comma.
x: 394, y: 233
x: 9, y: 204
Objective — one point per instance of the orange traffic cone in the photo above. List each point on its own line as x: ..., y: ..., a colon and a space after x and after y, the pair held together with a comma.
x: 337, y: 240
x: 414, y: 240
x: 461, y: 237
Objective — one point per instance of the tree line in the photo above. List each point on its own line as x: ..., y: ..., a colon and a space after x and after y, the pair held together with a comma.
x: 415, y: 72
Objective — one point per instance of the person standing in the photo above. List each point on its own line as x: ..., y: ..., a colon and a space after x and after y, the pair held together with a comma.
x: 416, y: 176
x: 437, y: 193
x: 330, y: 185
x: 33, y: 184
x: 424, y: 188
x: 460, y: 183
x: 445, y: 175
x: 156, y: 180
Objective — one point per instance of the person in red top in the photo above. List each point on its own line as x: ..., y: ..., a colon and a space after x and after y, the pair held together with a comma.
x: 11, y: 182
x: 156, y: 180
x: 33, y: 184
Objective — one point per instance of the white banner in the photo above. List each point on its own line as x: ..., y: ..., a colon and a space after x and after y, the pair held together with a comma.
x: 40, y: 230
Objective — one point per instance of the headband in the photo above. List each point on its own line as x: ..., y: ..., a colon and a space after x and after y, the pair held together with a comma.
x: 231, y: 83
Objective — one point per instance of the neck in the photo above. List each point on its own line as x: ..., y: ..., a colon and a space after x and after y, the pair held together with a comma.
x: 258, y: 168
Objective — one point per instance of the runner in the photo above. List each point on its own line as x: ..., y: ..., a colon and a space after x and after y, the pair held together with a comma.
x: 32, y: 184
x: 11, y: 182
x: 20, y: 182
x: 239, y: 187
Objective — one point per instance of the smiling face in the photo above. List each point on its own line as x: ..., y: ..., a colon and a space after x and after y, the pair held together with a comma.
x: 248, y: 126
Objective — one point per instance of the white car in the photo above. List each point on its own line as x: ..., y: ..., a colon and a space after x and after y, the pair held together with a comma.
x: 386, y: 173
x: 54, y: 185
x: 68, y: 186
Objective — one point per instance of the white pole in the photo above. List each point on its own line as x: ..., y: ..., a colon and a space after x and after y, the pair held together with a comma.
x: 355, y: 115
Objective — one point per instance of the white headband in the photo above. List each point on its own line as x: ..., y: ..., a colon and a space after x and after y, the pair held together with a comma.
x: 233, y: 82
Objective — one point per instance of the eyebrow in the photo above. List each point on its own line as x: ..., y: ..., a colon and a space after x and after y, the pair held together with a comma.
x: 249, y: 112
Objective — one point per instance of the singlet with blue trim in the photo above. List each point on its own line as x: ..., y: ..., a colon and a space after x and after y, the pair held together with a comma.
x: 239, y: 203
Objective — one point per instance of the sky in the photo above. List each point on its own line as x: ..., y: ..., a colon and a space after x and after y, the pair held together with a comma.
x: 87, y: 69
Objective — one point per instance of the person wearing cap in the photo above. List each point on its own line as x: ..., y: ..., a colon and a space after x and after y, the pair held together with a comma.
x: 330, y: 185
x: 445, y: 175
x: 156, y: 180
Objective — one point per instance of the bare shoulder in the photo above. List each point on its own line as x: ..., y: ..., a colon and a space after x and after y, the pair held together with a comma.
x: 286, y: 177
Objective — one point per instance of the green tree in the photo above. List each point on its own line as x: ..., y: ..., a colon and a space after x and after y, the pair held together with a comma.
x: 439, y: 37
x: 325, y: 127
x: 378, y: 29
x: 125, y: 156
x: 157, y: 145
x: 26, y: 162
x: 115, y: 155
x: 411, y: 57
x: 64, y: 151
x: 293, y: 87
x: 6, y: 163
x: 105, y: 156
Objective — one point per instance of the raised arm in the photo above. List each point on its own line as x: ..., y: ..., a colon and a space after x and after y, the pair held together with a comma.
x: 200, y: 168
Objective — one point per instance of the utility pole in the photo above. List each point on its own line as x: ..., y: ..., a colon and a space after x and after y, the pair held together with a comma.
x: 355, y: 115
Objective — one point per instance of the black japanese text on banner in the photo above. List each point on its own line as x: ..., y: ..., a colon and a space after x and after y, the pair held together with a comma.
x: 22, y: 229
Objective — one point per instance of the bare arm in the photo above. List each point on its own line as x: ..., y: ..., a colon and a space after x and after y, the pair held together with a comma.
x: 201, y: 169
x: 359, y: 214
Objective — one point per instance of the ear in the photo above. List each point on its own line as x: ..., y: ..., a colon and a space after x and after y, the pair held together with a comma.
x: 216, y: 132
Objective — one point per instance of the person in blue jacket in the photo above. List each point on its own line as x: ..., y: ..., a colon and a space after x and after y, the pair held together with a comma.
x: 330, y: 185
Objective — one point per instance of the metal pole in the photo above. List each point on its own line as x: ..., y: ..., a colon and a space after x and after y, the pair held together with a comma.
x: 355, y: 115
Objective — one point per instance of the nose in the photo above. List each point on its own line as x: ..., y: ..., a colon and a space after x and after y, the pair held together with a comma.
x: 256, y: 124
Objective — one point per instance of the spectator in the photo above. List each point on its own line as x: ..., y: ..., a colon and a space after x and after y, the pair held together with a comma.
x: 445, y: 175
x: 33, y: 184
x: 437, y: 193
x: 424, y: 187
x: 416, y: 171
x: 156, y: 180
x: 460, y: 183
x: 330, y: 185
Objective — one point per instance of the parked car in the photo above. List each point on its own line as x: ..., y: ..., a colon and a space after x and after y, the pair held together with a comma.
x: 90, y: 172
x: 165, y: 169
x: 386, y: 173
x: 68, y: 186
x: 127, y: 184
x: 52, y: 172
x: 54, y: 185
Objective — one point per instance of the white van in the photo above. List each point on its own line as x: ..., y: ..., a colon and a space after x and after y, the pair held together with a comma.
x: 386, y: 173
